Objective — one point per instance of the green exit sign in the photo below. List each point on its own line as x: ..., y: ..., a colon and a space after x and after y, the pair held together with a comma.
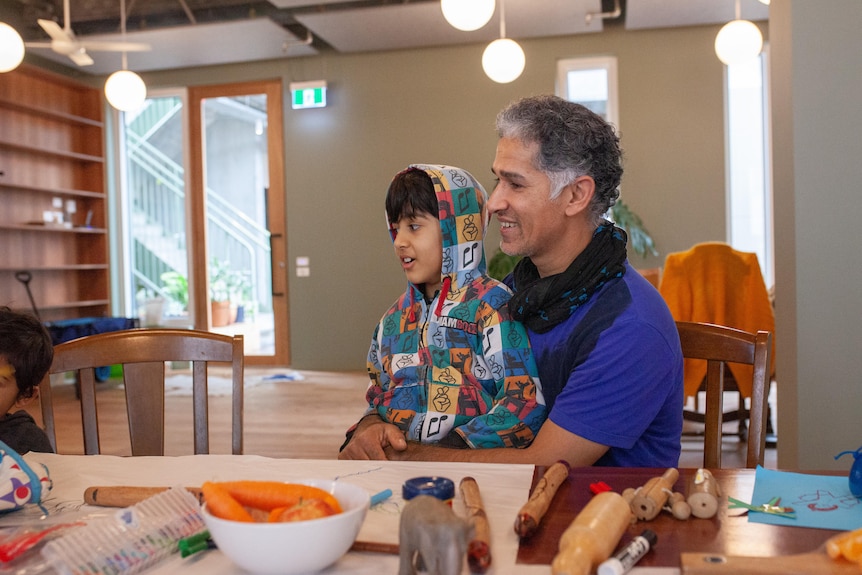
x: 308, y: 94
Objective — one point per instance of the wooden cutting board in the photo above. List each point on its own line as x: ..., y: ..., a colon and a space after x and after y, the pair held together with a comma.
x: 814, y: 563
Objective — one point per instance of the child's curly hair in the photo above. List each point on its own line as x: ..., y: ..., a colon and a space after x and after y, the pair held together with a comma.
x: 26, y: 345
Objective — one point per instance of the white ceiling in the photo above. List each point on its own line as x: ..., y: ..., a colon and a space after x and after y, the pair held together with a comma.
x: 399, y: 26
x: 391, y: 26
x: 198, y: 45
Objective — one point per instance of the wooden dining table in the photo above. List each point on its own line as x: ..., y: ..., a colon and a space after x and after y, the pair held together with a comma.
x: 504, y: 488
x: 727, y: 534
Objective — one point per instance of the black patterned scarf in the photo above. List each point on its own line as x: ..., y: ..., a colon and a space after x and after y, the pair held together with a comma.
x: 541, y: 303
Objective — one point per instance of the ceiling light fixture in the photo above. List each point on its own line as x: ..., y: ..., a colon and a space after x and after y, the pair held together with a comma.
x: 11, y: 48
x: 124, y: 89
x: 503, y: 59
x: 738, y: 41
x: 467, y: 15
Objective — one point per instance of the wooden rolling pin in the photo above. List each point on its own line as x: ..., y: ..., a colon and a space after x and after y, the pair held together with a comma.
x: 126, y: 495
x: 593, y: 535
x: 814, y: 563
x: 479, y: 548
x: 532, y: 512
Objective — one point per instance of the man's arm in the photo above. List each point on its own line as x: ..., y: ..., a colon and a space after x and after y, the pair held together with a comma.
x: 553, y: 443
x: 370, y: 437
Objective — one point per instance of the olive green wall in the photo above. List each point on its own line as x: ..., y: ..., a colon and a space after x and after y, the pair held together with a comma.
x: 388, y: 109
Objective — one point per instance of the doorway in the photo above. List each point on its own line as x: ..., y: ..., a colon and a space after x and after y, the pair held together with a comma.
x: 208, y: 243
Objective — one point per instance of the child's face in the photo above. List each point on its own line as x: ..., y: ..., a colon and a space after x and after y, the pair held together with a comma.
x: 8, y: 386
x: 418, y: 244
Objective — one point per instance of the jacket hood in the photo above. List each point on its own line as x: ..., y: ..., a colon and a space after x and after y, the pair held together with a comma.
x: 463, y: 219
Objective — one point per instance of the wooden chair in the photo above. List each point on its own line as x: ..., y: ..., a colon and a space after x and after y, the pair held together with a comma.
x: 714, y: 283
x: 718, y: 345
x: 143, y: 353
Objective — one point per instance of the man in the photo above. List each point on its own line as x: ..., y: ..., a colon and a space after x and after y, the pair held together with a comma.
x: 606, y: 345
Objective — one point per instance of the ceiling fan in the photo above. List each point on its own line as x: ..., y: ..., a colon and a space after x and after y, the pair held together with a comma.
x: 63, y: 41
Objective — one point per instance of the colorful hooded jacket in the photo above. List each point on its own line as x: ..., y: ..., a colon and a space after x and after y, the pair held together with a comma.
x: 457, y: 364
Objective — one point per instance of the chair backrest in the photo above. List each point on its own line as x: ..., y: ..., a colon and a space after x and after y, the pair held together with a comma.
x: 143, y: 353
x: 717, y: 345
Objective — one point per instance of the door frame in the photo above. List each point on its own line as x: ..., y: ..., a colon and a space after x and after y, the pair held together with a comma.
x: 277, y: 213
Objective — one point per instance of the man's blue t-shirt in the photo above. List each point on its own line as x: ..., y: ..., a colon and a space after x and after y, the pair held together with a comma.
x: 612, y: 373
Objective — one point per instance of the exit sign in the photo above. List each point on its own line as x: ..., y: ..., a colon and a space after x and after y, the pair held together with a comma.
x: 308, y: 94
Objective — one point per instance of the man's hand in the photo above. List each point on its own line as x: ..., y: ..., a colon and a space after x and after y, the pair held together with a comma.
x: 371, y: 437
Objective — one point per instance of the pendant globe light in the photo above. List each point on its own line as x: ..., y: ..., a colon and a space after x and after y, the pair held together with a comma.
x: 503, y: 59
x: 124, y: 89
x: 467, y: 15
x: 738, y: 41
x: 11, y: 48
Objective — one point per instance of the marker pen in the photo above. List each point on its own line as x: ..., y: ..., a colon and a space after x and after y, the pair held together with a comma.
x: 380, y: 497
x: 623, y: 561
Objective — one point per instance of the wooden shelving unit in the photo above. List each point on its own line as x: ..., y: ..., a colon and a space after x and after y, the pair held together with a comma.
x: 52, y: 150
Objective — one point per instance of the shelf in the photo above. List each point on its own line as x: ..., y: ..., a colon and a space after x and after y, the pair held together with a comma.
x: 56, y: 153
x: 77, y: 304
x: 61, y: 268
x: 62, y: 116
x: 52, y: 229
x: 51, y: 145
x: 52, y: 191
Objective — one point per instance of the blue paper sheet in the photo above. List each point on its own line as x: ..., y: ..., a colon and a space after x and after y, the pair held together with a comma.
x: 820, y: 501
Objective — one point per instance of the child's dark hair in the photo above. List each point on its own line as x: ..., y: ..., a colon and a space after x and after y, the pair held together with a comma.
x: 26, y: 346
x: 410, y: 193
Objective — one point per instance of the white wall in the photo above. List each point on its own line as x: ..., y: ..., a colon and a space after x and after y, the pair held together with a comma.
x: 817, y: 169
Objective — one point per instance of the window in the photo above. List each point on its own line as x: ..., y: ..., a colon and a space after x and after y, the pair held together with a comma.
x: 591, y: 82
x: 748, y: 185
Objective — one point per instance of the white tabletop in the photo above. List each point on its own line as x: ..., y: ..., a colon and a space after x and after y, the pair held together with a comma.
x: 504, y: 489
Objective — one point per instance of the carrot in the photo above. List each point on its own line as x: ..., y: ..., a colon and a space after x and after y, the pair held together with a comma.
x: 269, y: 495
x: 275, y: 514
x: 221, y: 504
x: 847, y: 544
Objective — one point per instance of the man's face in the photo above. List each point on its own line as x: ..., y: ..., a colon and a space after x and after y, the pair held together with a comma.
x: 530, y: 222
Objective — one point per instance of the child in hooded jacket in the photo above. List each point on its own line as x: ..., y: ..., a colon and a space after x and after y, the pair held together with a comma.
x: 26, y: 353
x: 447, y: 363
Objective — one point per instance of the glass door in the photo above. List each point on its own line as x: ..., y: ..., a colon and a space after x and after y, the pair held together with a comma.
x: 238, y: 216
x: 156, y: 250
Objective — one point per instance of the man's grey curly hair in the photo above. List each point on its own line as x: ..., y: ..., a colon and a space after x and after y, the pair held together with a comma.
x: 573, y: 141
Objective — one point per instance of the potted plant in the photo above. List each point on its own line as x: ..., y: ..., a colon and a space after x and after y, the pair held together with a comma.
x: 219, y: 292
x: 151, y: 307
x: 640, y: 241
x: 176, y: 287
x: 228, y: 290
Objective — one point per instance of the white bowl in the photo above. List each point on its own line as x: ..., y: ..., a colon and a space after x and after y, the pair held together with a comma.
x: 294, y: 547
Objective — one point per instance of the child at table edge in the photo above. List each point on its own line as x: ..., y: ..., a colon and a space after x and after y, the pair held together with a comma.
x: 26, y: 353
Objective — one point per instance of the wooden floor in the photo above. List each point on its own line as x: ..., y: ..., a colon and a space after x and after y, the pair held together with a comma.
x: 291, y: 419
